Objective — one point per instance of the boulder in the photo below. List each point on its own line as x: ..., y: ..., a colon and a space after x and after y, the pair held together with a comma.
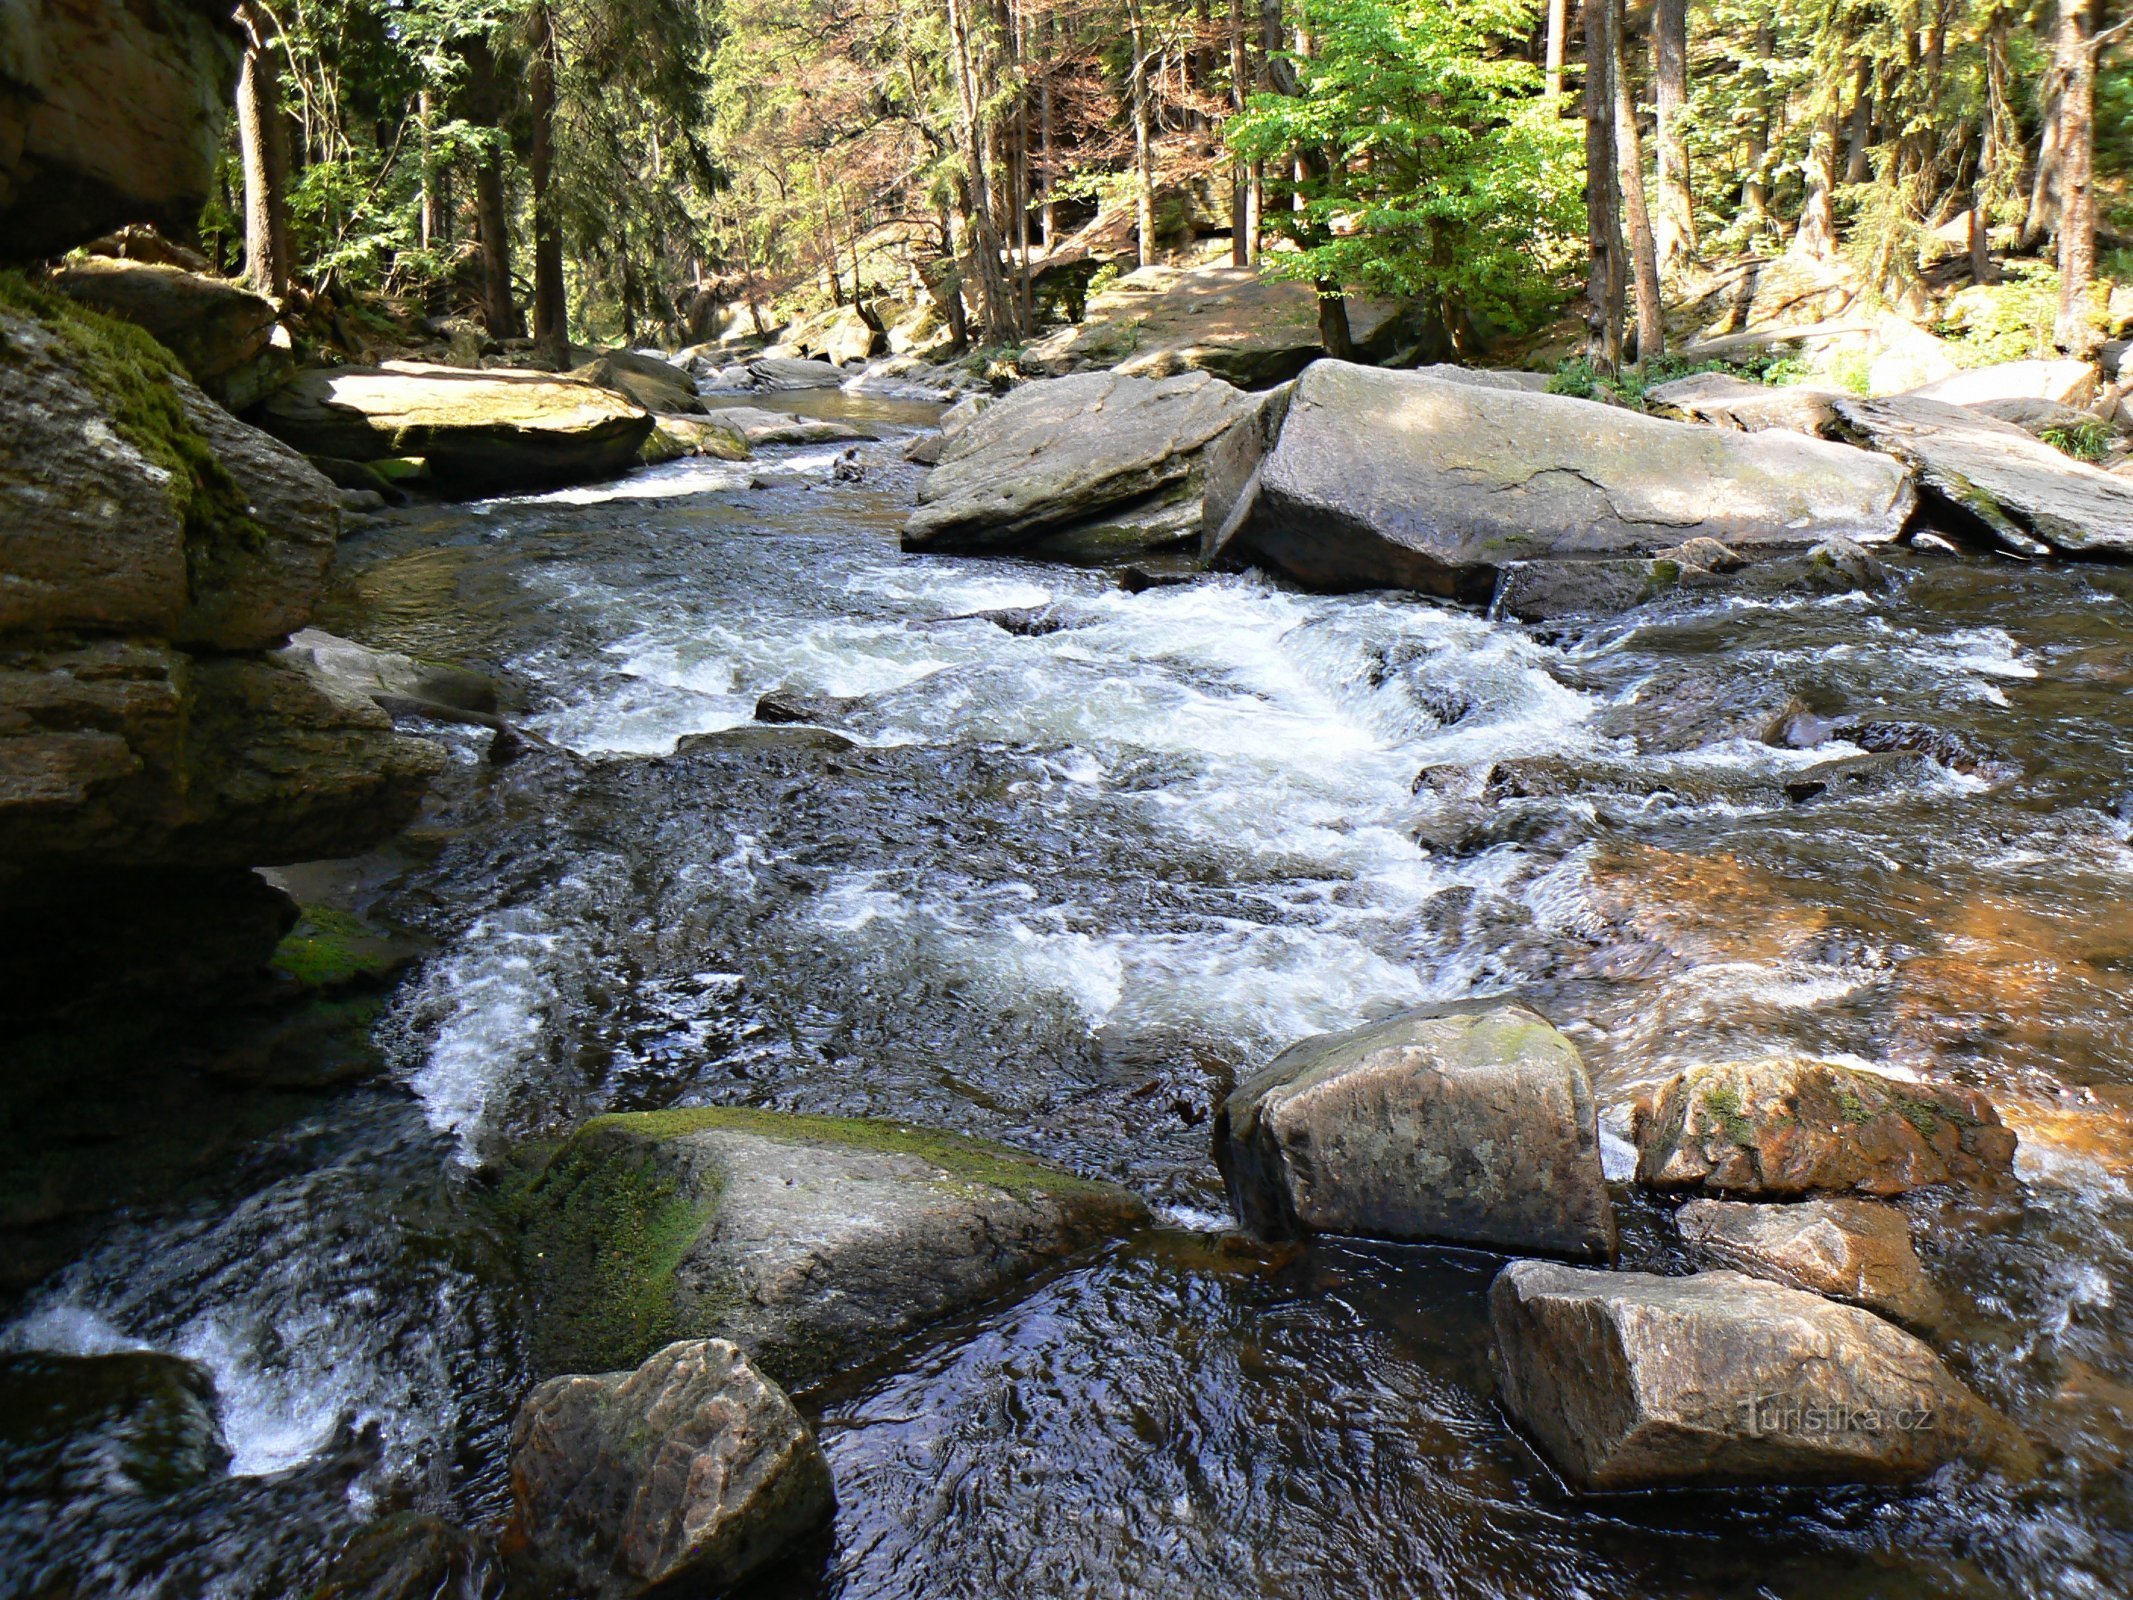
x: 1489, y: 377
x: 1730, y: 402
x: 1391, y: 479
x: 1054, y: 459
x: 1858, y: 1251
x: 1473, y: 1124
x: 132, y: 1422
x: 1229, y: 322
x: 410, y: 1555
x: 850, y: 336
x: 789, y: 372
x: 2035, y: 417
x: 642, y: 380
x: 119, y: 752
x: 1543, y: 591
x: 758, y: 428
x: 928, y: 448
x: 2021, y: 491
x: 1630, y: 1381
x: 673, y: 437
x: 390, y: 678
x: 132, y: 503
x: 111, y: 111
x: 807, y: 1241
x: 229, y: 340
x: 479, y: 431
x: 1782, y: 1128
x: 2068, y: 383
x: 690, y: 1473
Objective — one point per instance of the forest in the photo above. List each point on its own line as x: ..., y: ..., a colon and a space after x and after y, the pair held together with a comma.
x: 644, y: 169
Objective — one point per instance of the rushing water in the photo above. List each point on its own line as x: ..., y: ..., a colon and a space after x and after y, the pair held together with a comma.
x: 1065, y: 871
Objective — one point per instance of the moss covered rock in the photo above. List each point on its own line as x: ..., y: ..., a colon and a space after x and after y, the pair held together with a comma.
x: 229, y: 339
x: 810, y: 1242
x: 1779, y: 1129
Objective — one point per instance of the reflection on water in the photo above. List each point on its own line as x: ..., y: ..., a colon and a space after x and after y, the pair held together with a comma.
x: 1072, y: 859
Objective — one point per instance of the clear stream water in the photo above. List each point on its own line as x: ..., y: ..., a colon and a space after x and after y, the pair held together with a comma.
x: 1059, y: 882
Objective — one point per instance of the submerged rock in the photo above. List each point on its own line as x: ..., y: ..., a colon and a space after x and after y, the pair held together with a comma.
x: 2023, y: 493
x: 480, y: 431
x: 410, y: 1555
x: 1630, y: 1381
x: 1472, y: 1124
x: 808, y: 1241
x: 134, y: 1422
x: 1857, y: 1251
x: 1392, y: 479
x: 693, y: 1472
x: 1116, y: 460
x: 1782, y: 1128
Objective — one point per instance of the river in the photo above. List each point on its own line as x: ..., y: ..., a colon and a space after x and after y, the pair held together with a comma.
x: 1077, y: 859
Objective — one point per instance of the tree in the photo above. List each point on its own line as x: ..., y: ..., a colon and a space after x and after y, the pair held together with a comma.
x: 1629, y: 154
x: 264, y: 145
x: 1674, y: 218
x: 1439, y: 169
x: 1604, y: 274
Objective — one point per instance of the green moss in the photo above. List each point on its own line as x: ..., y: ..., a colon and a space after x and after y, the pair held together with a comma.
x: 970, y: 1160
x: 1722, y: 1102
x: 1853, y: 1108
x: 133, y: 375
x: 331, y: 949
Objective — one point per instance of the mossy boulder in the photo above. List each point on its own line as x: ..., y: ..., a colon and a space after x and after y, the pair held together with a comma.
x: 810, y: 1242
x: 1780, y: 1129
x: 229, y: 339
x: 131, y: 503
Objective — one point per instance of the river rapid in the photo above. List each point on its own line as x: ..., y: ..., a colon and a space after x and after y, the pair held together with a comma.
x: 1072, y: 860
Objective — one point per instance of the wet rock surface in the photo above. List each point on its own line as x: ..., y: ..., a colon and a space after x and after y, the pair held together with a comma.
x: 1458, y: 480
x: 1079, y: 455
x: 1473, y: 1124
x: 1778, y: 1129
x: 411, y: 1556
x: 809, y: 1242
x: 1858, y: 1251
x: 692, y: 1471
x: 1630, y: 1381
x: 135, y: 1422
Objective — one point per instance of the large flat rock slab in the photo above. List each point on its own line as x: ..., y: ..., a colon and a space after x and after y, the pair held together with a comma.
x: 1398, y: 480
x: 690, y: 1473
x: 1630, y: 1381
x: 1057, y: 455
x: 479, y: 430
x: 2030, y: 497
x: 1471, y: 1124
x: 809, y: 1242
x: 1787, y: 1127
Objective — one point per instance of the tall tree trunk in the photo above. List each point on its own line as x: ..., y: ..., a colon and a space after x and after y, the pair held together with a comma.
x: 1629, y: 156
x: 551, y: 331
x: 1859, y: 137
x: 2043, y: 214
x: 1143, y: 134
x: 1048, y: 213
x: 1993, y: 152
x: 1675, y: 221
x: 973, y: 89
x: 263, y: 142
x: 1558, y: 26
x: 1816, y: 235
x: 1755, y: 182
x: 1603, y: 215
x: 492, y: 216
x: 1243, y: 220
x: 436, y: 204
x: 2075, y: 53
x: 1264, y: 77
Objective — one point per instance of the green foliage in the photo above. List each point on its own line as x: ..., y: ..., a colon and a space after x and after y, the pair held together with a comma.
x: 2086, y: 440
x: 2012, y: 320
x: 1628, y: 387
x: 1443, y: 171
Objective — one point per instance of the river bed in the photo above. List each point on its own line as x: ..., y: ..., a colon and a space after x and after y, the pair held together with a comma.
x: 1068, y: 861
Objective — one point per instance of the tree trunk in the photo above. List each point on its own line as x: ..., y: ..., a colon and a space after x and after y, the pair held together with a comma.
x: 1755, y: 182
x: 995, y: 307
x: 2043, y: 215
x: 492, y: 217
x: 1047, y: 214
x: 1558, y: 26
x: 1333, y: 330
x: 1143, y: 135
x: 1675, y: 221
x: 551, y: 331
x: 1603, y: 216
x: 1858, y: 140
x: 1629, y: 156
x: 263, y: 142
x: 2075, y: 54
x: 1243, y: 222
x: 1816, y: 235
